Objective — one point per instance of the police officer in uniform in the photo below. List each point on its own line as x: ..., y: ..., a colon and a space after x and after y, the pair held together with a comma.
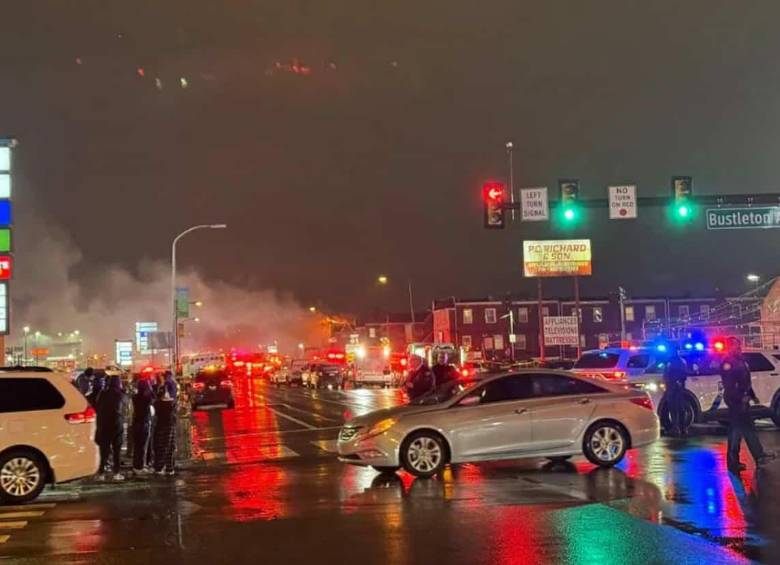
x: 738, y: 392
x: 675, y: 373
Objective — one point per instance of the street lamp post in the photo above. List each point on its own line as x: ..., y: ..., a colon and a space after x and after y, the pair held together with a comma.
x: 753, y: 278
x: 384, y: 280
x: 175, y: 328
x: 26, y: 330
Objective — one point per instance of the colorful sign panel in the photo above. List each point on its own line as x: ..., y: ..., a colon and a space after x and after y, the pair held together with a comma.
x: 557, y: 258
x: 5, y: 240
x: 123, y: 353
x: 4, y: 325
x: 6, y: 267
x: 182, y: 303
x: 142, y: 331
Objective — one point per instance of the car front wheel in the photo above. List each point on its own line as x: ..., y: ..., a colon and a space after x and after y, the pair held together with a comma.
x: 605, y: 443
x: 22, y: 476
x: 424, y: 454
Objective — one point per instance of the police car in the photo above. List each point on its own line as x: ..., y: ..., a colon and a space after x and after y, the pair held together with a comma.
x: 704, y: 389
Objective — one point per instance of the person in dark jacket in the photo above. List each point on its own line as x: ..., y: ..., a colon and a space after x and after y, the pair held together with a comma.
x: 110, y: 426
x: 420, y: 382
x: 165, y: 426
x: 98, y: 384
x: 442, y: 371
x: 143, y: 401
x: 738, y: 392
x: 675, y: 373
x: 84, y: 381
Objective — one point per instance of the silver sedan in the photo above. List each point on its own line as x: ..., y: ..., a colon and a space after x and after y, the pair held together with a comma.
x: 529, y: 413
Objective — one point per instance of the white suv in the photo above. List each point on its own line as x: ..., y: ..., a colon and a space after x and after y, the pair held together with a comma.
x: 47, y: 431
x: 704, y: 394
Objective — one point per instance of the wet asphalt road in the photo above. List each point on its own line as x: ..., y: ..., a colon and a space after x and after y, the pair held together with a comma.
x: 266, y: 488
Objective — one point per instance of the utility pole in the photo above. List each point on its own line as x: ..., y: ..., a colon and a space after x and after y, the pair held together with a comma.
x: 621, y: 302
x: 540, y: 306
x: 509, y: 147
x: 577, y: 313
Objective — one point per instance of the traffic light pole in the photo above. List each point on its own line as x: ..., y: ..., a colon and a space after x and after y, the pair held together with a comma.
x: 540, y: 306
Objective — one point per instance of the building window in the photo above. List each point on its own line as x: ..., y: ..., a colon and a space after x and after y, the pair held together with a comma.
x: 465, y: 341
x: 650, y: 313
x: 683, y: 311
x: 598, y: 315
x: 629, y: 336
x: 603, y: 341
x: 583, y: 341
x: 545, y: 311
x: 468, y: 316
x: 440, y: 337
x: 372, y: 333
x: 488, y: 341
x: 629, y: 313
x: 704, y: 310
x: 521, y: 342
x: 522, y: 315
x: 490, y: 315
x: 498, y: 342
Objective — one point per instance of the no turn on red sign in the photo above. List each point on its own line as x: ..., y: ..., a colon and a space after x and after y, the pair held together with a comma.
x: 622, y: 202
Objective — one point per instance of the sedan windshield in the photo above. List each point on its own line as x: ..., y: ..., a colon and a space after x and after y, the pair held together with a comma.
x: 444, y: 392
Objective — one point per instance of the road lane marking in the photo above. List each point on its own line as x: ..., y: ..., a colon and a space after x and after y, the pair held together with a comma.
x: 12, y: 525
x: 268, y: 433
x: 314, y: 414
x: 4, y: 539
x: 296, y: 420
x: 10, y: 515
x: 279, y: 452
x: 25, y: 507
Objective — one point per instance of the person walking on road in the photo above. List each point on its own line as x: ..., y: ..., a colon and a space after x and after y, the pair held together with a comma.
x: 110, y: 426
x: 738, y: 392
x: 143, y: 401
x: 675, y: 373
x: 165, y: 427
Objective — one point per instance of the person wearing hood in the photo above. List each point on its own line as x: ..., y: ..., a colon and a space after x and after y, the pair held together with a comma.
x: 165, y: 427
x: 143, y: 401
x: 84, y: 381
x: 110, y: 426
x: 98, y: 384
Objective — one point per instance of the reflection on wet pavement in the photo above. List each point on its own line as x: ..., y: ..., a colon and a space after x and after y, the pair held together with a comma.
x: 265, y: 489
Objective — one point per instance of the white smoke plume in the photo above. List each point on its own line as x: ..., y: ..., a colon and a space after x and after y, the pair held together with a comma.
x: 48, y: 297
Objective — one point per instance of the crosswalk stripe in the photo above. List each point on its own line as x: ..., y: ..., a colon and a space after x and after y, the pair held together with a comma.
x: 12, y: 525
x: 10, y: 515
x: 4, y: 539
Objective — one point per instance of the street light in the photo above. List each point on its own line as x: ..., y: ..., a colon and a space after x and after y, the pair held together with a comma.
x: 174, y: 328
x: 312, y: 309
x: 753, y: 278
x: 384, y: 280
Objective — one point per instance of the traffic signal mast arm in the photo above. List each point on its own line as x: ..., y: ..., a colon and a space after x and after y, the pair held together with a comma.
x: 767, y: 198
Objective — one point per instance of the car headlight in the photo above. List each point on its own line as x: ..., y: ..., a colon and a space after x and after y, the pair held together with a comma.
x: 380, y: 427
x: 652, y: 386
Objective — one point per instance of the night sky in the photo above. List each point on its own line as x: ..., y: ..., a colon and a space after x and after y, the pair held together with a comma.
x: 341, y: 140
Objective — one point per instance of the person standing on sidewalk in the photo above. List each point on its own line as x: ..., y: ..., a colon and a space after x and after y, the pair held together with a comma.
x: 738, y: 392
x: 110, y: 426
x: 142, y: 424
x: 165, y: 428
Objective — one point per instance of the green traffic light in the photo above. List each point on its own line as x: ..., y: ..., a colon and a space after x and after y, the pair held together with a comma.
x: 683, y: 211
x: 569, y: 214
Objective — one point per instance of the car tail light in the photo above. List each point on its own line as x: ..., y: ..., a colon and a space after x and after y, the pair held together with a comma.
x: 198, y: 386
x: 643, y: 401
x: 614, y: 375
x: 226, y: 383
x: 84, y: 417
x: 464, y: 372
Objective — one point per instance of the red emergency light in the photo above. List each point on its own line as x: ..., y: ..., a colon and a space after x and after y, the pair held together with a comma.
x: 6, y: 267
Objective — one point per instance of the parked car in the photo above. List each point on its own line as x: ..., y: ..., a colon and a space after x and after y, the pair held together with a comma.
x: 211, y: 388
x: 529, y: 413
x: 47, y: 433
x: 290, y: 374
